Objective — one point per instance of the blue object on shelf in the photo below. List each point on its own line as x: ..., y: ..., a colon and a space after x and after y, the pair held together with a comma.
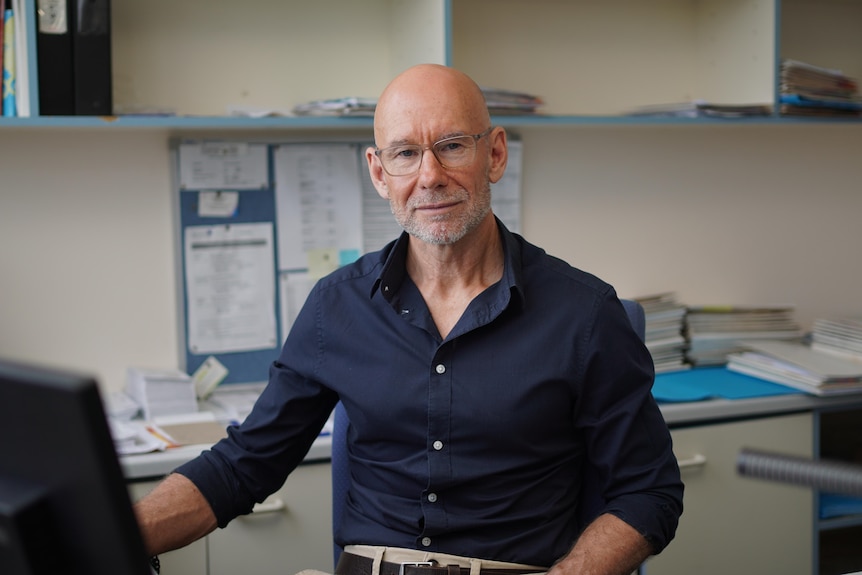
x: 833, y: 505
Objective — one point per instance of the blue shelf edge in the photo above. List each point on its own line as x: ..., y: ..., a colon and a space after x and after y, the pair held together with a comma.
x: 354, y: 123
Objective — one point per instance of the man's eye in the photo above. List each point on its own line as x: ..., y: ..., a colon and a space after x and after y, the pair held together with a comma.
x: 451, y: 147
x: 405, y: 153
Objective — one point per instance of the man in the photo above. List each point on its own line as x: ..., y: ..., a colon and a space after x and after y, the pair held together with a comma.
x: 487, y: 383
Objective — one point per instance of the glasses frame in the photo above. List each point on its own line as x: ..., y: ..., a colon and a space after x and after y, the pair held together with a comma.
x: 476, y: 138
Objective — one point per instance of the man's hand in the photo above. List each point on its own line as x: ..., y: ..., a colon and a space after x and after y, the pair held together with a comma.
x: 608, y: 546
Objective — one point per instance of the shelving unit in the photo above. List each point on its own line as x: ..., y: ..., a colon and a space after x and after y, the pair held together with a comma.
x: 207, y: 58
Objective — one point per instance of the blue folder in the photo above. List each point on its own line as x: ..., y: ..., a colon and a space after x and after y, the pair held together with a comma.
x: 704, y: 383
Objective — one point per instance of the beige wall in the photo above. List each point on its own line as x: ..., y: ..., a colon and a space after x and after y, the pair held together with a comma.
x: 719, y: 214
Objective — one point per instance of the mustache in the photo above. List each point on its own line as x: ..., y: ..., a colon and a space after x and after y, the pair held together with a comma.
x: 435, y: 197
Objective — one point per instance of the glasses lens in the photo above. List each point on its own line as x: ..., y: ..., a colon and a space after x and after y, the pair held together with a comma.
x: 401, y: 160
x: 455, y: 152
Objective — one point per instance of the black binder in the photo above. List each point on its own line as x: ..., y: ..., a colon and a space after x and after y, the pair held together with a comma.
x: 91, y: 49
x: 54, y: 25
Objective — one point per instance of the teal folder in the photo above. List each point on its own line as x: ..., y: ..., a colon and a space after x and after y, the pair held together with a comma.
x: 704, y: 383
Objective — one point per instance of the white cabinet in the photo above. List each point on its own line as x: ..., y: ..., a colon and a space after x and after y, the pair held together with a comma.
x: 289, y: 532
x: 734, y: 524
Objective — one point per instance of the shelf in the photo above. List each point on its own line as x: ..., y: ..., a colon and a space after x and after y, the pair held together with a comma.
x: 591, y: 62
x: 227, y: 124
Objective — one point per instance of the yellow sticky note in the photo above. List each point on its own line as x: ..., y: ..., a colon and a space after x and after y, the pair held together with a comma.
x: 322, y: 261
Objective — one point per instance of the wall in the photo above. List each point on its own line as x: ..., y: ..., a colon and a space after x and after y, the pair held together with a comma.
x: 719, y: 214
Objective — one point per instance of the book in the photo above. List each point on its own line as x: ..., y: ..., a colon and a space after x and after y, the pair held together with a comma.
x: 2, y: 20
x: 797, y: 365
x: 10, y: 108
x: 54, y: 19
x: 22, y: 56
x: 91, y: 50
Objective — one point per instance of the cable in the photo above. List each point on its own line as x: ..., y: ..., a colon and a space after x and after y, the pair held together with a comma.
x: 825, y: 475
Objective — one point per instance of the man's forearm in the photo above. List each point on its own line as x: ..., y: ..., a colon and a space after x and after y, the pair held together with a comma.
x: 173, y: 515
x: 608, y: 546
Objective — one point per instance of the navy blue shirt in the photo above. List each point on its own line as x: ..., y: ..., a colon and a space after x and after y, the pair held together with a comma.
x: 479, y: 444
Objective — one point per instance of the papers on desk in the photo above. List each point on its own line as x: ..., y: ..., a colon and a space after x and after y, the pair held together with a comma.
x: 132, y: 437
x: 139, y: 436
x: 716, y: 331
x: 798, y: 366
x: 840, y: 336
x: 664, y: 319
x: 161, y: 391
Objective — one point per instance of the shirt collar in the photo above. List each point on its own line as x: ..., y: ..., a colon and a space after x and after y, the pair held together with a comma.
x: 394, y: 268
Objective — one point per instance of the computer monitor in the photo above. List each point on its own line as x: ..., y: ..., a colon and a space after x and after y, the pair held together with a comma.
x: 64, y: 507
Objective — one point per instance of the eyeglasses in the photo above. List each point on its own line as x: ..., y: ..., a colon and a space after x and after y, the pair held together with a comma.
x: 455, y: 152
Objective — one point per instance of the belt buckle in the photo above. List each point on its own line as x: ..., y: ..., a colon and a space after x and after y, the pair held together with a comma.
x: 401, y: 566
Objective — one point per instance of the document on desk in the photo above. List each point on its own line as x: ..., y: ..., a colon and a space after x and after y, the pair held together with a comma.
x: 318, y: 204
x: 230, y: 288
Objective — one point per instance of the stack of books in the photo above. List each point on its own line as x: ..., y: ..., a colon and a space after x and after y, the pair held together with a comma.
x: 808, y: 90
x: 665, y: 320
x: 797, y: 365
x: 841, y: 337
x: 716, y: 331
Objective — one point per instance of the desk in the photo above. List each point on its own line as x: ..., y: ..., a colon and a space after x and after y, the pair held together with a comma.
x: 714, y: 429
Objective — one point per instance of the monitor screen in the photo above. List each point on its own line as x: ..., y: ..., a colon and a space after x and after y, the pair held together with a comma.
x: 64, y: 507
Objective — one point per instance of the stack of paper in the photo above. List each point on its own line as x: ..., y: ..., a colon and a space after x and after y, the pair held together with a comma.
x: 808, y: 90
x: 337, y: 107
x: 161, y: 392
x: 716, y: 331
x: 797, y: 365
x: 665, y: 319
x: 507, y: 102
x: 701, y: 109
x: 842, y: 337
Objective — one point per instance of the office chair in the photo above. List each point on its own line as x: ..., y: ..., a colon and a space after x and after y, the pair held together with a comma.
x: 340, y: 462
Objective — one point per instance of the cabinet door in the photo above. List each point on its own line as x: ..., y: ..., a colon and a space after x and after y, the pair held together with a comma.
x: 289, y: 532
x: 190, y: 560
x: 735, y: 524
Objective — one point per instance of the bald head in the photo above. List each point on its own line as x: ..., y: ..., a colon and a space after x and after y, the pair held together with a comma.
x: 427, y: 94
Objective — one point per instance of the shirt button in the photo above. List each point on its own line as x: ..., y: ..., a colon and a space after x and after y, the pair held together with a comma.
x: 438, y: 445
x: 432, y: 497
x: 441, y: 369
x: 426, y: 541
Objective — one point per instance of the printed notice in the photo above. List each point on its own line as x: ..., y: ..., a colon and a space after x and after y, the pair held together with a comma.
x: 318, y: 202
x: 230, y: 288
x: 223, y: 165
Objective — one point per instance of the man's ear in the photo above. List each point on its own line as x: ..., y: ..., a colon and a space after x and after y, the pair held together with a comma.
x: 375, y: 170
x: 499, y: 154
